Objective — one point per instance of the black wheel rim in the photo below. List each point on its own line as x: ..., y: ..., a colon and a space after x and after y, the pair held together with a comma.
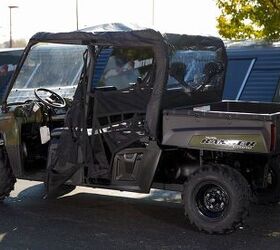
x: 212, y: 200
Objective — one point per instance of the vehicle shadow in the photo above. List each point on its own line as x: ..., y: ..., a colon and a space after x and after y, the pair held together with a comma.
x: 81, y: 220
x: 28, y: 215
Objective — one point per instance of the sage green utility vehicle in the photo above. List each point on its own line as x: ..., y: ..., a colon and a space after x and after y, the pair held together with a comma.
x: 132, y: 109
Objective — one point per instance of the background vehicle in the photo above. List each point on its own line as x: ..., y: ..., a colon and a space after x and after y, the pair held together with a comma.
x: 253, y: 72
x: 8, y: 61
x: 152, y: 119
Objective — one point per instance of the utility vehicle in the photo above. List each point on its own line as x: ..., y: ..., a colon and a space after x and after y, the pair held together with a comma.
x: 134, y: 109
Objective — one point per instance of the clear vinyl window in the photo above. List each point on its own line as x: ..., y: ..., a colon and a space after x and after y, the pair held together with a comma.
x: 53, y: 66
x: 121, y: 68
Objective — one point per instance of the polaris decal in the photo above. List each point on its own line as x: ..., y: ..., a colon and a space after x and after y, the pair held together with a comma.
x: 229, y: 143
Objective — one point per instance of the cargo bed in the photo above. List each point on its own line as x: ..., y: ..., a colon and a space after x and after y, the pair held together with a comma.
x: 226, y: 126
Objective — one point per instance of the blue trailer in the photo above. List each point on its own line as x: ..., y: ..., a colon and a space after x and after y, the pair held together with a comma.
x: 253, y: 73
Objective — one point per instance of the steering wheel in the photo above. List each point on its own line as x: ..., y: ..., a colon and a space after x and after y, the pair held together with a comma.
x: 54, y: 100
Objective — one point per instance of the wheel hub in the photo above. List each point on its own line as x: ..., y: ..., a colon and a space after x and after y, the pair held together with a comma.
x: 212, y: 200
x: 215, y: 200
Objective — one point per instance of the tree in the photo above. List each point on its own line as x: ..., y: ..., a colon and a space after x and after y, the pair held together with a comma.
x: 20, y: 43
x: 249, y: 19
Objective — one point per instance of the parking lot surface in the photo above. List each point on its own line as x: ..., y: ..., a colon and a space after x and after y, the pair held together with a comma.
x: 89, y: 218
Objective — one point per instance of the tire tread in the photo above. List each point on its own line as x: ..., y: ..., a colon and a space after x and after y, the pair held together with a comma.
x: 240, y: 184
x: 7, y: 178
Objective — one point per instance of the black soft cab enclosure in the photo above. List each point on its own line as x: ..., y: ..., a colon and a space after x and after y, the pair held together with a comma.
x: 120, y: 105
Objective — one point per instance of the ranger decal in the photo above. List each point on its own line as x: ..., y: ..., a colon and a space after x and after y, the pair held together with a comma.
x: 231, y: 143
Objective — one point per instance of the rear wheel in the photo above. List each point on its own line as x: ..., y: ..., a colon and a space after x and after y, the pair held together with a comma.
x: 216, y: 199
x: 270, y: 194
x: 7, y: 178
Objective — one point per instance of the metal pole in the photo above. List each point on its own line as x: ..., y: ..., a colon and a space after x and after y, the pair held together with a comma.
x: 153, y: 13
x: 11, y: 39
x: 77, y: 15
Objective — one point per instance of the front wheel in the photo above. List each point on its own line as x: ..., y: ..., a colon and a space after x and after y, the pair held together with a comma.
x: 7, y: 178
x: 216, y: 199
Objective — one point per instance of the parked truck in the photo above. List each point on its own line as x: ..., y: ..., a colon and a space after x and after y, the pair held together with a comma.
x: 153, y: 118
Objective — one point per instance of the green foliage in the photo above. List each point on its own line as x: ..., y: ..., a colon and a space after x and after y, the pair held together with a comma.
x: 249, y: 19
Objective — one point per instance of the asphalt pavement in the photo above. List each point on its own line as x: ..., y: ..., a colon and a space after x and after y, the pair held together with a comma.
x: 89, y: 218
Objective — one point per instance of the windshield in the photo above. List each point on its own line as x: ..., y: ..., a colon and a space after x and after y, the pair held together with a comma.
x: 53, y: 66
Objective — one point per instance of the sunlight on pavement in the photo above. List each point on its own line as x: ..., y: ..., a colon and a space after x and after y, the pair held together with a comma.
x: 155, y: 194
x: 24, y: 188
x: 274, y: 234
